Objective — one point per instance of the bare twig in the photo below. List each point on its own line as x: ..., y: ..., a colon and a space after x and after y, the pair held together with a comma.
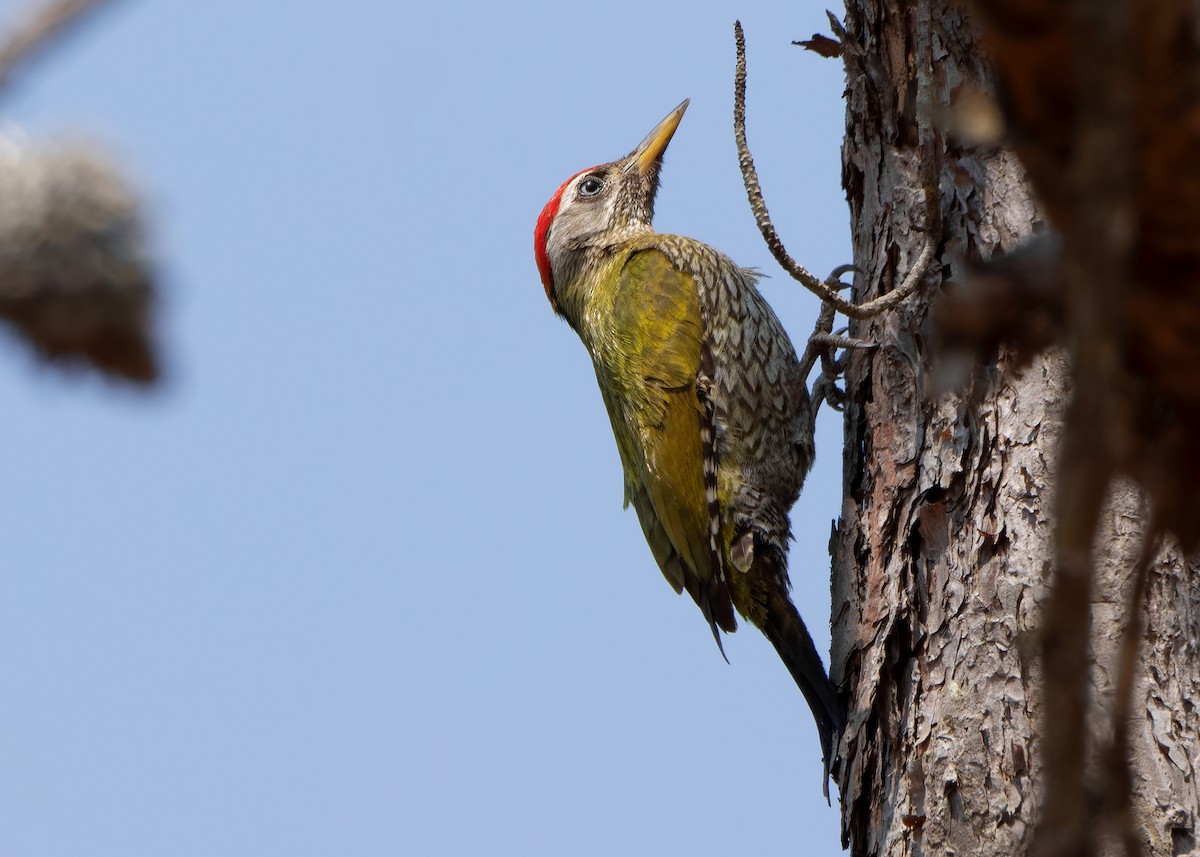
x: 40, y: 27
x: 868, y: 309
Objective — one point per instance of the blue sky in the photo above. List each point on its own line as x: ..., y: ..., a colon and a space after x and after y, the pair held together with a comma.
x: 358, y: 580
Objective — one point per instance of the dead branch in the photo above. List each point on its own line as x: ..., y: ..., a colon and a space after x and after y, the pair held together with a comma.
x: 775, y: 244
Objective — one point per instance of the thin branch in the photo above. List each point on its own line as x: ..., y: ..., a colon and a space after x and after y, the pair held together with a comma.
x: 868, y: 309
x: 754, y: 190
x: 40, y: 27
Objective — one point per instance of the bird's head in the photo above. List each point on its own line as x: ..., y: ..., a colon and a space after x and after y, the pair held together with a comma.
x: 598, y: 207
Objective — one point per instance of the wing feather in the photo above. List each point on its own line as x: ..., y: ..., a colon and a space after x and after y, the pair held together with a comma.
x: 665, y: 418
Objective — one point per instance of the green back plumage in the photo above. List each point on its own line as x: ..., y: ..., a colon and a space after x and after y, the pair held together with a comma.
x: 648, y: 338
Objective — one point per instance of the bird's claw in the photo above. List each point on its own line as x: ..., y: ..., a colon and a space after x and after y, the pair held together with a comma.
x: 834, y: 280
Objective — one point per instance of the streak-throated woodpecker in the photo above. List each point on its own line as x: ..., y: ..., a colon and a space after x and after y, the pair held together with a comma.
x: 711, y: 414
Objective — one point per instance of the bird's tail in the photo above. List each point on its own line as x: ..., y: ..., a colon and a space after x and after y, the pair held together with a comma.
x: 788, y: 634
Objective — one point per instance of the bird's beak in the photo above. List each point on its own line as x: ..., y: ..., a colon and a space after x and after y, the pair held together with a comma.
x: 646, y: 155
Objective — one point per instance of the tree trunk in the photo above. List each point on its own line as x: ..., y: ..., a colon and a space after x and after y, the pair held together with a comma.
x: 944, y: 549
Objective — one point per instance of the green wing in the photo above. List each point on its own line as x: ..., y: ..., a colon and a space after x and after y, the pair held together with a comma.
x: 661, y: 424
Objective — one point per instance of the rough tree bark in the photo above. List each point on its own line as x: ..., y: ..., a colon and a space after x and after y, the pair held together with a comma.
x: 945, y: 547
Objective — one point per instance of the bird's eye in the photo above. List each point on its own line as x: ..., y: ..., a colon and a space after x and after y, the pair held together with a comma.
x: 590, y: 186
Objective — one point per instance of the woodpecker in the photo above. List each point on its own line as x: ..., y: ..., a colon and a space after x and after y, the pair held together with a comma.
x: 706, y: 396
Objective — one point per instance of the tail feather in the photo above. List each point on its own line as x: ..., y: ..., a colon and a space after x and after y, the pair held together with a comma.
x: 788, y: 634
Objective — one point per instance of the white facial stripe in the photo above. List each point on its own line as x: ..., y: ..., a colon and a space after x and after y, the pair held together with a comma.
x: 578, y: 219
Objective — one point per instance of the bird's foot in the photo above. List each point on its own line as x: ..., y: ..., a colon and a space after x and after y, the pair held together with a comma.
x: 831, y: 341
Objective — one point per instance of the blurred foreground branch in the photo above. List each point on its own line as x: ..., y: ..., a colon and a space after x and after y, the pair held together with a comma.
x: 1099, y: 102
x: 75, y: 278
x: 40, y: 27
